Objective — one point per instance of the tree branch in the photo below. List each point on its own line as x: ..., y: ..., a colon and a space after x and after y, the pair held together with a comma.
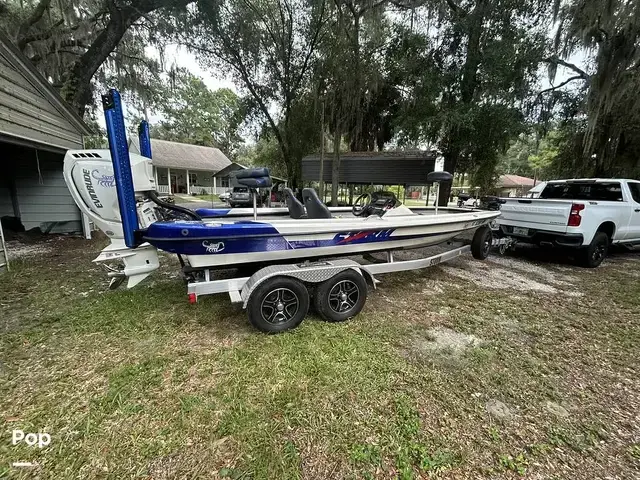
x: 27, y: 39
x: 558, y: 61
x: 34, y: 18
x: 567, y: 81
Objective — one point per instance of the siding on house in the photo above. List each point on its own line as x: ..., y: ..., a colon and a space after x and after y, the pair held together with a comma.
x: 36, y: 129
x: 28, y: 112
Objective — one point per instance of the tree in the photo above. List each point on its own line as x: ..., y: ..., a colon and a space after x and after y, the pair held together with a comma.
x: 269, y: 47
x: 70, y: 42
x: 486, y: 54
x: 609, y: 33
x: 194, y: 114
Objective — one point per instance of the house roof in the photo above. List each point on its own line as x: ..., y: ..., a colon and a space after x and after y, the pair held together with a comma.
x: 21, y: 63
x: 514, y: 181
x: 183, y: 155
x: 232, y: 167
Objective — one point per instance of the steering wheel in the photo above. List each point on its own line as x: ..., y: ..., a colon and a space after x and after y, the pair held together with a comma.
x: 361, y: 205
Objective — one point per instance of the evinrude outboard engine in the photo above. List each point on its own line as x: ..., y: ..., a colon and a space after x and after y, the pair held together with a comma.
x: 90, y: 178
x: 116, y: 190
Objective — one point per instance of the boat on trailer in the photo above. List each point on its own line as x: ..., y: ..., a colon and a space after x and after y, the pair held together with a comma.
x: 300, y: 245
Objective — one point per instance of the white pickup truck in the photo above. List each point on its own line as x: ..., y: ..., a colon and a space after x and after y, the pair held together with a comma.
x: 585, y: 214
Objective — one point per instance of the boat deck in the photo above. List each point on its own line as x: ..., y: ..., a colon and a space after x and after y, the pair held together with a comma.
x: 339, y: 214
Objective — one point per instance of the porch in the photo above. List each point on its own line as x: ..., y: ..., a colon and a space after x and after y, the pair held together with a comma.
x: 174, y: 180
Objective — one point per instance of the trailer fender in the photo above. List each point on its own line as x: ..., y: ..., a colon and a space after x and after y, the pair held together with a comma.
x: 311, y: 272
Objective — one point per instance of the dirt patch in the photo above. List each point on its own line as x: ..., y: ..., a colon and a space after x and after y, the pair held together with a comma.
x: 442, y: 339
x: 17, y: 249
x: 487, y: 276
x: 497, y: 409
x: 550, y: 276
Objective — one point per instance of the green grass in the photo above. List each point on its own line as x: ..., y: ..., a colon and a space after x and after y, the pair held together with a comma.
x: 140, y: 384
x: 209, y: 198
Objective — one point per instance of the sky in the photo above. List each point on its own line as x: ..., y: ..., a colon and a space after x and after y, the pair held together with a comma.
x: 183, y: 58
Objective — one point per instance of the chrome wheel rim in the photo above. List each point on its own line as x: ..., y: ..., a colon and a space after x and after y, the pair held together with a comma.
x: 279, y: 306
x: 343, y: 296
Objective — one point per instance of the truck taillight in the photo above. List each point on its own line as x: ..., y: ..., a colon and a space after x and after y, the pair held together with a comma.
x: 574, y: 216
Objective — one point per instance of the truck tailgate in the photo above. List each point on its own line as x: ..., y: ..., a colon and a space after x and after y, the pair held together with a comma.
x: 549, y: 215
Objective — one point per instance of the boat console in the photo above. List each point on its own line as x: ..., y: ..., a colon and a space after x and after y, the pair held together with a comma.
x: 376, y: 203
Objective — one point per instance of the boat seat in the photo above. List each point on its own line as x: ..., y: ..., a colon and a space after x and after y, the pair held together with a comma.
x: 252, y: 173
x: 315, y: 208
x: 296, y: 209
x: 255, y: 182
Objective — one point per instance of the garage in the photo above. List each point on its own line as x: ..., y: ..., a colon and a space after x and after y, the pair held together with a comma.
x: 36, y: 129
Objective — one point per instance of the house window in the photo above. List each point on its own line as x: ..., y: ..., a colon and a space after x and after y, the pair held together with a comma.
x: 224, y: 182
x: 193, y: 178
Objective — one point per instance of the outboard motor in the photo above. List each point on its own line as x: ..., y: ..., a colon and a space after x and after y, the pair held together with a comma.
x: 115, y: 189
x: 90, y: 178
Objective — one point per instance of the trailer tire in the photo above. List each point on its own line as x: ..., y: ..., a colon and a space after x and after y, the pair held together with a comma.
x: 481, y: 243
x: 341, y: 297
x: 593, y: 255
x: 278, y: 304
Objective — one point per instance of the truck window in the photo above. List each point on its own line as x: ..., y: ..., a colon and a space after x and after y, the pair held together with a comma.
x: 635, y: 191
x: 602, y: 191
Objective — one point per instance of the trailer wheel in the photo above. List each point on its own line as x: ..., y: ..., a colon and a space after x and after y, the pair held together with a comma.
x: 481, y: 243
x: 341, y: 297
x: 595, y: 253
x: 278, y: 304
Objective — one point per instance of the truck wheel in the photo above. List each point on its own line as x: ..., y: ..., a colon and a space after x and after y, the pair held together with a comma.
x: 596, y: 252
x: 481, y: 243
x: 341, y: 297
x: 278, y: 304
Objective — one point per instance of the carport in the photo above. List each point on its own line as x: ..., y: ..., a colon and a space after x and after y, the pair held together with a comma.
x: 402, y: 168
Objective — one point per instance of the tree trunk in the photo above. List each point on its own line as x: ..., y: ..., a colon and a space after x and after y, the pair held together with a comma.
x: 321, y: 179
x: 455, y: 136
x: 335, y: 166
x: 77, y: 87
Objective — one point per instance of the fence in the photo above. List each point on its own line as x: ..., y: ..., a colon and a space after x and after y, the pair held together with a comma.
x: 196, y: 189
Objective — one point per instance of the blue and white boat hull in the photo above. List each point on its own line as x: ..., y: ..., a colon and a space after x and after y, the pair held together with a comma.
x: 216, y: 244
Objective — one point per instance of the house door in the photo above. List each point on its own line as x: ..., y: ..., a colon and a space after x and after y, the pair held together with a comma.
x: 174, y: 183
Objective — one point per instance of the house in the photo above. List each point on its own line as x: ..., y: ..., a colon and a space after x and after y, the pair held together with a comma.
x: 36, y: 129
x: 185, y: 168
x: 514, y: 185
